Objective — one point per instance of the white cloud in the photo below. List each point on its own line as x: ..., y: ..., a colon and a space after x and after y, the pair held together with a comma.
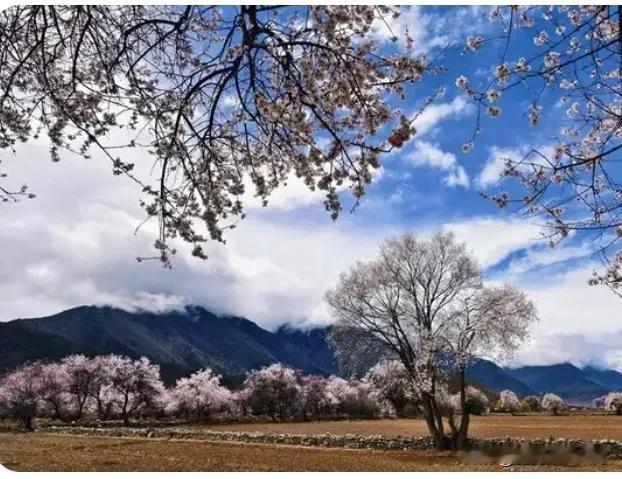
x: 432, y: 29
x: 427, y: 154
x: 458, y: 177
x: 491, y: 173
x: 579, y: 349
x: 545, y: 256
x: 492, y: 239
x: 436, y: 113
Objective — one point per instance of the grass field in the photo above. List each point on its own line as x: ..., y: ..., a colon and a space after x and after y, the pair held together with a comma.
x: 48, y: 452
x: 574, y: 426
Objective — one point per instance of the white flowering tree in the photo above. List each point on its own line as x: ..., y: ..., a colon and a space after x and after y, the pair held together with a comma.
x: 553, y: 403
x: 425, y: 303
x: 573, y: 60
x: 80, y: 374
x: 273, y: 391
x: 613, y: 402
x: 199, y: 396
x: 57, y: 402
x: 123, y: 387
x: 476, y: 399
x: 22, y: 394
x: 357, y: 398
x: 391, y: 378
x: 508, y: 401
x: 227, y: 99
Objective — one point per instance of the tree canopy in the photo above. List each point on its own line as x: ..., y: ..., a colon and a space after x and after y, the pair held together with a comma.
x: 227, y: 99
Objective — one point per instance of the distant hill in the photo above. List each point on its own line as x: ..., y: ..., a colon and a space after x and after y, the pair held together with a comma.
x: 565, y: 380
x: 610, y: 379
x: 496, y: 378
x: 183, y: 341
x: 180, y: 341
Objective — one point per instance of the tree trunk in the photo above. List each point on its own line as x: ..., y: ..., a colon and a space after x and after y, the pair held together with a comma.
x: 465, y: 415
x: 29, y: 422
x: 438, y: 437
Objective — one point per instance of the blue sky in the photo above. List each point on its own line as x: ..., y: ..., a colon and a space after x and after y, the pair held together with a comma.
x: 75, y: 243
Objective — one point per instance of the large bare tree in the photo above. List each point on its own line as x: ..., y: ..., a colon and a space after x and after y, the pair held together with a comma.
x: 424, y: 303
x: 225, y: 98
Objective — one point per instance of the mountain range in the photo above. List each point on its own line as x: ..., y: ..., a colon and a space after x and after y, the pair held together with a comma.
x: 183, y: 341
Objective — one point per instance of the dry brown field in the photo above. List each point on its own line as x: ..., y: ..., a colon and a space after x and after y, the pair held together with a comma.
x: 573, y: 426
x: 49, y: 452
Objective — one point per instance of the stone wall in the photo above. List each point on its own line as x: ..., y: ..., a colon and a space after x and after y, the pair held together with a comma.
x: 613, y: 449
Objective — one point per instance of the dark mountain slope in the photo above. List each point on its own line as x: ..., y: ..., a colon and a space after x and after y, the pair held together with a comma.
x: 181, y: 341
x: 496, y: 378
x: 19, y: 344
x: 565, y: 380
x: 610, y: 379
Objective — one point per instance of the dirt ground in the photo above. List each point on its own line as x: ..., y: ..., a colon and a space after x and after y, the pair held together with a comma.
x: 575, y: 426
x: 47, y: 452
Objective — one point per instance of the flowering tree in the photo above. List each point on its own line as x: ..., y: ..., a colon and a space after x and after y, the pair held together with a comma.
x: 476, y: 399
x: 613, y: 402
x: 123, y: 387
x: 223, y: 97
x: 574, y: 183
x: 315, y: 398
x: 357, y: 398
x: 22, y: 392
x: 425, y: 303
x: 532, y: 403
x: 54, y: 391
x: 135, y: 385
x: 100, y: 389
x: 599, y: 402
x: 391, y: 379
x: 553, y: 403
x: 508, y: 401
x: 80, y: 373
x: 199, y: 396
x: 274, y: 391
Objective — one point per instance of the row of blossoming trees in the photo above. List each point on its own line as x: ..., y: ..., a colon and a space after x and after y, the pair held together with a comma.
x: 120, y: 388
x: 509, y: 402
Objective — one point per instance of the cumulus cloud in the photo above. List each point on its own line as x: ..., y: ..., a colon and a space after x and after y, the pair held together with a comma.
x: 428, y: 154
x: 433, y: 115
x: 582, y: 350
